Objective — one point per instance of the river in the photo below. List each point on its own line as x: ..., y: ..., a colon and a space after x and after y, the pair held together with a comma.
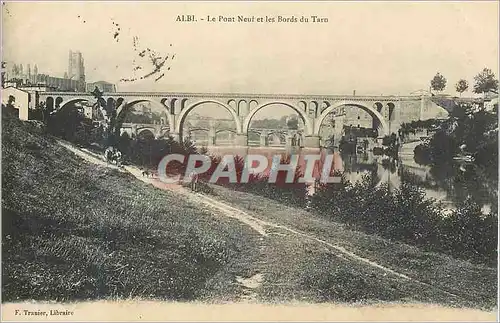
x: 449, y: 184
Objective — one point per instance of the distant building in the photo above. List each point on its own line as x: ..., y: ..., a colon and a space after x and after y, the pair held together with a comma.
x: 43, y: 82
x: 16, y: 74
x: 73, y: 80
x: 356, y: 117
x: 41, y: 87
x: 491, y: 101
x: 76, y: 67
x: 88, y: 112
x: 20, y: 80
x: 20, y: 99
x: 103, y: 86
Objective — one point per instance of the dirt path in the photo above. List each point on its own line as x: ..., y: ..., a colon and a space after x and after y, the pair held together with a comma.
x: 251, y: 284
x: 86, y: 155
x: 255, y: 222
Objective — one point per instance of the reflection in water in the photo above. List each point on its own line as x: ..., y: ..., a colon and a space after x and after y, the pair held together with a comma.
x: 450, y: 184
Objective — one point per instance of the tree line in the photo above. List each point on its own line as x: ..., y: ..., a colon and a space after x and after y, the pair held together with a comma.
x: 484, y: 82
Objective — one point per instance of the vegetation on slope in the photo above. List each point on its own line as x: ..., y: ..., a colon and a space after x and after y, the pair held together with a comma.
x: 77, y: 231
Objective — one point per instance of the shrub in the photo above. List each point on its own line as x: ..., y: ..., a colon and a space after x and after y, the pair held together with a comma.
x: 405, y: 214
x: 72, y: 231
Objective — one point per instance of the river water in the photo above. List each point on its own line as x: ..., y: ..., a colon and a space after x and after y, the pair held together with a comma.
x: 448, y: 184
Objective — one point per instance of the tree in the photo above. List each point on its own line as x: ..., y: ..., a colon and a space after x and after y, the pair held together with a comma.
x: 438, y: 83
x: 461, y: 86
x: 112, y: 121
x: 292, y: 123
x: 70, y: 124
x: 11, y: 101
x: 4, y: 66
x: 485, y: 81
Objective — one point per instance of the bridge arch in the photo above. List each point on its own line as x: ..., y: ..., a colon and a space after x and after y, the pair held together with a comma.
x: 252, y: 104
x: 392, y: 109
x: 49, y: 104
x: 199, y: 129
x: 373, y: 112
x: 232, y: 104
x: 303, y: 105
x: 174, y: 107
x: 185, y: 112
x: 146, y: 133
x: 242, y: 107
x: 139, y: 130
x: 58, y: 101
x: 302, y: 114
x: 277, y: 135
x: 257, y: 131
x: 63, y: 105
x: 125, y: 108
x: 225, y: 130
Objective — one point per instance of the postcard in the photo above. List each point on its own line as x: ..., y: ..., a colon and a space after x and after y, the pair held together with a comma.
x: 250, y: 161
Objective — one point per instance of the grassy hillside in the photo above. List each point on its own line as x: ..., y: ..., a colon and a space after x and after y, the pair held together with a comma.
x: 72, y: 230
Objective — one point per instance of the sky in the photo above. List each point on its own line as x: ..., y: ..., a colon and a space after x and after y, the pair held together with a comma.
x: 371, y: 47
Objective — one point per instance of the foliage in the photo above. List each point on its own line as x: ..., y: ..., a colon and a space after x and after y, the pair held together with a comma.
x: 438, y: 83
x: 292, y: 123
x: 466, y: 132
x: 389, y: 140
x: 405, y: 214
x: 71, y: 124
x: 71, y: 231
x: 392, y: 144
x: 485, y: 81
x: 461, y: 86
x: 422, y: 155
x: 419, y: 125
x: 271, y: 123
x: 9, y: 108
x: 142, y: 118
x: 290, y: 193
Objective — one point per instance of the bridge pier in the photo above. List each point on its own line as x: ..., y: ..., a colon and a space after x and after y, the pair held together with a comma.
x: 315, y: 110
x: 288, y: 140
x: 241, y: 139
x: 311, y: 142
x: 211, y: 135
x: 263, y: 139
x: 211, y: 140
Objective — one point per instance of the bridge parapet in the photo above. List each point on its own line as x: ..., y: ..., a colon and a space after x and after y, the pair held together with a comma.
x: 312, y: 109
x: 136, y: 129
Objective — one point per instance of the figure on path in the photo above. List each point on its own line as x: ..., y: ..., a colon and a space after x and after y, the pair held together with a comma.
x: 108, y: 154
x: 194, y: 181
x: 118, y: 158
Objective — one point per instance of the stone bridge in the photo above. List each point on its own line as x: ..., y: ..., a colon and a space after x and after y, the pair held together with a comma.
x: 312, y: 109
x: 266, y: 136
x: 136, y: 129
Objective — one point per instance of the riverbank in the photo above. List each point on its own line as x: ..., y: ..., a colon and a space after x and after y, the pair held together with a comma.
x: 474, y: 283
x: 76, y: 229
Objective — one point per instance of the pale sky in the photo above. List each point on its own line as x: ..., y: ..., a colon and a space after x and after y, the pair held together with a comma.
x: 370, y: 47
